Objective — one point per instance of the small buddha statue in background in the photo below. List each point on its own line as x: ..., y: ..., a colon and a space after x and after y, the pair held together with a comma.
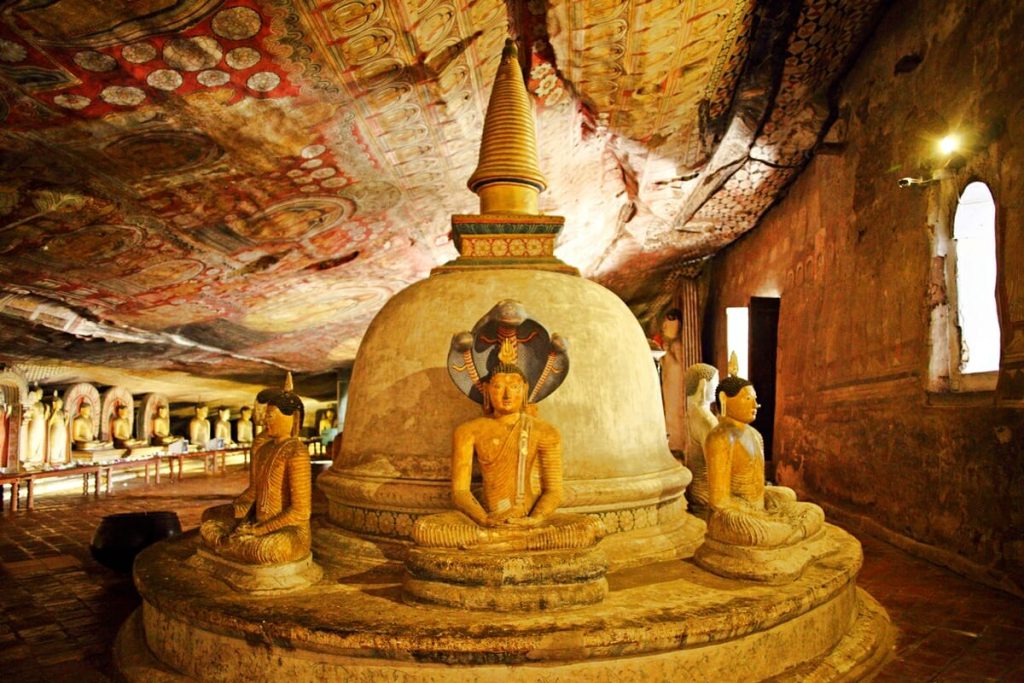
x: 161, y: 435
x: 222, y: 426
x: 749, y: 521
x: 199, y: 427
x: 701, y: 384
x: 243, y: 426
x: 57, y: 433
x: 326, y: 422
x: 35, y: 432
x: 83, y: 431
x: 269, y: 522
x: 672, y: 397
x: 121, y: 429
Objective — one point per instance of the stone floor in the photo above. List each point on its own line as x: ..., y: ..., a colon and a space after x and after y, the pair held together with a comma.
x: 61, y: 610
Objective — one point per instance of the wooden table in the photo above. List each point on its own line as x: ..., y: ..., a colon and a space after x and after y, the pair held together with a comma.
x: 29, y: 479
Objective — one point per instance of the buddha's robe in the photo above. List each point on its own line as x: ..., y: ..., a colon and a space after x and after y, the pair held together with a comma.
x: 511, y: 466
x: 277, y: 503
x: 743, y: 510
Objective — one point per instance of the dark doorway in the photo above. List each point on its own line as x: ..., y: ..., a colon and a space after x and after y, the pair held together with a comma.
x: 764, y: 342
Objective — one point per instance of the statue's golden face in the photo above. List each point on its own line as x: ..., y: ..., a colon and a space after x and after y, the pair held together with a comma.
x: 506, y: 392
x: 278, y: 424
x: 743, y: 406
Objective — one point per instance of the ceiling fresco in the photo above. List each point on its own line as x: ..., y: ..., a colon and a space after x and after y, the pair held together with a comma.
x: 243, y: 184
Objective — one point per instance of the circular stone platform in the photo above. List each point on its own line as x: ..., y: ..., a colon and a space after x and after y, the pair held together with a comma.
x: 659, y: 622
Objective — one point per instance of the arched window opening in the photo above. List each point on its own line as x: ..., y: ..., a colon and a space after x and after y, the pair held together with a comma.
x: 974, y: 234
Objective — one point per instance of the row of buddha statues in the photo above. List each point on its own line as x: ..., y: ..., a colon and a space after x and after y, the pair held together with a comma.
x: 50, y: 434
x: 511, y: 523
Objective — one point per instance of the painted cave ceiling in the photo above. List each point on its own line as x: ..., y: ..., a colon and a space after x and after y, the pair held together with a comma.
x: 225, y: 186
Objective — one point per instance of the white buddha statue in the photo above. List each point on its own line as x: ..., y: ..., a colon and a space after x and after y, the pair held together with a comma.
x: 199, y: 427
x: 222, y: 426
x: 243, y: 426
x: 57, y: 433
x: 35, y: 431
x: 701, y: 383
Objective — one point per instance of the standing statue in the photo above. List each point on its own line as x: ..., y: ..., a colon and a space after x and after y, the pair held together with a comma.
x: 35, y: 416
x: 269, y: 522
x: 243, y: 426
x: 222, y: 426
x: 672, y: 397
x: 507, y: 363
x: 57, y: 433
x: 755, y: 531
x: 701, y: 382
x: 199, y: 427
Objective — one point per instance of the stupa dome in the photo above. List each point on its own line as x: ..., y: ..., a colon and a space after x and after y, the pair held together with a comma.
x: 395, y: 462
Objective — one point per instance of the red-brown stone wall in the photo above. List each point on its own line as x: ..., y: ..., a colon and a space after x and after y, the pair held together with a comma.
x: 861, y: 423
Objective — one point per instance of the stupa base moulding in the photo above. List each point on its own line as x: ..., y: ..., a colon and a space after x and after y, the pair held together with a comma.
x: 658, y: 622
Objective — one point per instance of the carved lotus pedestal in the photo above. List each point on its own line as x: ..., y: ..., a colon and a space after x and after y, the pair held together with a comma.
x: 257, y: 579
x: 503, y: 582
x: 668, y: 620
x: 774, y: 566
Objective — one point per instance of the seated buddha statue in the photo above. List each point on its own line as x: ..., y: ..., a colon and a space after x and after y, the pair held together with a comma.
x: 747, y: 516
x: 199, y: 427
x: 508, y: 549
x: 700, y: 383
x: 509, y: 444
x: 121, y: 429
x: 222, y: 426
x: 161, y: 435
x: 83, y: 434
x: 243, y: 426
x: 269, y: 522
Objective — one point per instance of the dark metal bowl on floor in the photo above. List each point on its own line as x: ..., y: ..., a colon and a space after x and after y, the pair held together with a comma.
x: 119, y: 538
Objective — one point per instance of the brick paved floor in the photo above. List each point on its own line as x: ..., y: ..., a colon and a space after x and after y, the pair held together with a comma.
x: 61, y: 610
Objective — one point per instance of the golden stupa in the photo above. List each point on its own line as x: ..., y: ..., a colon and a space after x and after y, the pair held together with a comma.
x: 663, y: 618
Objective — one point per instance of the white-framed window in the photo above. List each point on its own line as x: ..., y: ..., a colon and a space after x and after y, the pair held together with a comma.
x: 968, y: 326
x: 737, y: 336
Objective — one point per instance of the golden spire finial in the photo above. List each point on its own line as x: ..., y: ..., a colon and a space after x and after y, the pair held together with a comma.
x: 288, y: 384
x: 508, y: 177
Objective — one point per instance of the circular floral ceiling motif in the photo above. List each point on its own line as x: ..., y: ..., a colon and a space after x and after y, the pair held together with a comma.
x: 193, y: 54
x: 92, y: 244
x: 159, y: 152
x: 237, y: 23
x: 302, y: 310
x: 297, y: 219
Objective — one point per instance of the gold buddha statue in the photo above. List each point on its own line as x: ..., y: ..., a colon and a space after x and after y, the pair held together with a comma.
x: 83, y: 431
x: 269, y: 522
x: 199, y: 427
x: 509, y: 444
x: 700, y: 383
x: 755, y: 531
x: 162, y: 428
x: 121, y: 429
x: 327, y: 421
x: 509, y: 549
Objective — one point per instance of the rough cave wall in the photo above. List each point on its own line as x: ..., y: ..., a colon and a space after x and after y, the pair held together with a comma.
x: 860, y: 424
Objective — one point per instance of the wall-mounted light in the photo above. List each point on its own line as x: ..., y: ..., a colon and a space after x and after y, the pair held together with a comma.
x: 948, y: 158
